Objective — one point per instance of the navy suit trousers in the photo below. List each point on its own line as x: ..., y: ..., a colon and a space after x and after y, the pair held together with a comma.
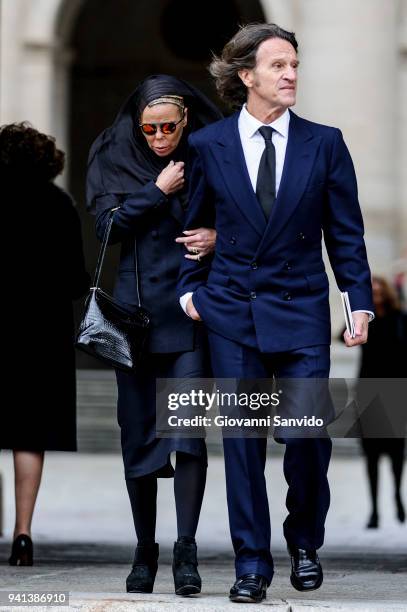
x: 306, y: 461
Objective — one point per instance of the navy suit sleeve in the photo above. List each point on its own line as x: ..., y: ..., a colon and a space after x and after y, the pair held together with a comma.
x: 132, y: 207
x: 201, y: 213
x: 343, y: 229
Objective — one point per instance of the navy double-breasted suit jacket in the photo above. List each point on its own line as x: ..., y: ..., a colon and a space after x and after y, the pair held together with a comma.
x: 266, y: 284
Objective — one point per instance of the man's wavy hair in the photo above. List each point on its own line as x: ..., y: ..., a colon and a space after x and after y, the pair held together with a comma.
x: 240, y: 52
x: 26, y: 153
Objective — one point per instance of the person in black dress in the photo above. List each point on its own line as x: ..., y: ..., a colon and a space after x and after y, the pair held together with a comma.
x: 138, y: 164
x: 45, y: 271
x: 385, y: 356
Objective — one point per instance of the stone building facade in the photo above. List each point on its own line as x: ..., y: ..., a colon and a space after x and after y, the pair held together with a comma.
x: 67, y: 64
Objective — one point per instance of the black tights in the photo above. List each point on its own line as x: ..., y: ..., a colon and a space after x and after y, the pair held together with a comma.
x: 397, y: 461
x: 189, y: 486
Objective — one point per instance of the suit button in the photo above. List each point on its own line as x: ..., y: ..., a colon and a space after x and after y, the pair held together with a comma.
x: 253, y: 295
x: 233, y: 240
x: 154, y: 279
x: 154, y: 234
x: 287, y: 265
x: 254, y: 265
x: 301, y: 236
x: 287, y: 296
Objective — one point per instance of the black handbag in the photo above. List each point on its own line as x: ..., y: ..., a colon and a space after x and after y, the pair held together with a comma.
x: 110, y: 331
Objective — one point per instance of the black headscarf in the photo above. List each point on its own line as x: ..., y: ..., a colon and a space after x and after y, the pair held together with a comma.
x: 120, y: 160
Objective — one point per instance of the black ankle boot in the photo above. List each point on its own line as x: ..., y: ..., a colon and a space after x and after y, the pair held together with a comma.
x: 187, y: 581
x: 142, y: 576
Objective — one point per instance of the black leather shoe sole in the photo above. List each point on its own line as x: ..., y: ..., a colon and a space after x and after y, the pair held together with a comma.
x: 188, y: 589
x: 241, y: 598
x: 297, y: 584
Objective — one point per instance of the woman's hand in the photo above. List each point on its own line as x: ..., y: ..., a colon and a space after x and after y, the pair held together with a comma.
x: 171, y: 179
x: 199, y: 242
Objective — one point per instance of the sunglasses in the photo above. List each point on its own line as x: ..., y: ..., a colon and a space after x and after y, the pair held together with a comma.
x: 168, y: 127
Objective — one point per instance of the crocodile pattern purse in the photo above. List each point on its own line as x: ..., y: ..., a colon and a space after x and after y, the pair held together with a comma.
x: 109, y: 331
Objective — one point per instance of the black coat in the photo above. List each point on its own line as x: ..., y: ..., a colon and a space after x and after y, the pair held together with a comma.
x: 382, y: 402
x: 385, y: 353
x: 40, y: 413
x: 154, y: 221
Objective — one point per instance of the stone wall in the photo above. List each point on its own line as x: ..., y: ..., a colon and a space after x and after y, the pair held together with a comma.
x: 353, y: 75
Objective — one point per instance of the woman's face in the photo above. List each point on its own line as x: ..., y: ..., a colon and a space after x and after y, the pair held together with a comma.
x: 164, y: 144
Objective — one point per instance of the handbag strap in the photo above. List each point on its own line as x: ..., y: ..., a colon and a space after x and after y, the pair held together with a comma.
x: 102, y: 251
x: 137, y: 278
x: 102, y: 254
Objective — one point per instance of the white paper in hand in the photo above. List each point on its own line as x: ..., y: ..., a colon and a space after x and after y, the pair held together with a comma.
x: 350, y: 325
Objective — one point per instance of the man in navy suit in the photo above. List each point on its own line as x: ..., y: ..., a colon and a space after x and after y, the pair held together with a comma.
x: 272, y: 184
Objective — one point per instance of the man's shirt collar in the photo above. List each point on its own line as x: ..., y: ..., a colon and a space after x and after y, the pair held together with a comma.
x: 250, y: 125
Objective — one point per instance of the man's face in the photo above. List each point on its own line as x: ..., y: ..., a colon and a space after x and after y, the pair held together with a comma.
x: 273, y: 81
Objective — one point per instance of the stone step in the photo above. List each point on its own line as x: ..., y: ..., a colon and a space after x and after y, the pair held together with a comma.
x: 98, y: 431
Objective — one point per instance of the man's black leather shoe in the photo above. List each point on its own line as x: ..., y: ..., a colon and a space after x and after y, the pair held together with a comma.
x: 250, y: 588
x: 306, y: 570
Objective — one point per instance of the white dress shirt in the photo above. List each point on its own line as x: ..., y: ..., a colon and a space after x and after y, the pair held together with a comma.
x: 253, y: 145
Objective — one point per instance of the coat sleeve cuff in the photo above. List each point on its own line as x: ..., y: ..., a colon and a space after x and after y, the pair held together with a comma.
x: 157, y: 196
x: 183, y: 301
x: 369, y: 312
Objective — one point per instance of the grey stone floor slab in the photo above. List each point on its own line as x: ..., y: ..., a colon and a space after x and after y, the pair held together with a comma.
x: 84, y: 498
x: 84, y: 541
x: 352, y: 582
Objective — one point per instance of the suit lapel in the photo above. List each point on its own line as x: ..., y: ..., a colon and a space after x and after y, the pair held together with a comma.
x: 229, y: 153
x: 300, y: 155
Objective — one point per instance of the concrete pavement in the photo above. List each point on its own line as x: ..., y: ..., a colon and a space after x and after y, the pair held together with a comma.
x: 84, y: 541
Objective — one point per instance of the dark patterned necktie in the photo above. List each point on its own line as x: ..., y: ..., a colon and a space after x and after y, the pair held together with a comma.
x: 266, y: 178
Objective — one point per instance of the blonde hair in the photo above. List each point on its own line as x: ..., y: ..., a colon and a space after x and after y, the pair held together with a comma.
x: 168, y: 99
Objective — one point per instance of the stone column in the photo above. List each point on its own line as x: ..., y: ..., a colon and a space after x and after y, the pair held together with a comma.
x: 348, y: 79
x: 402, y: 133
x: 281, y: 12
x: 10, y: 61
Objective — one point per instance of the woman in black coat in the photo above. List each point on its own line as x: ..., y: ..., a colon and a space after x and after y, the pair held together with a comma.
x: 138, y: 164
x: 384, y: 356
x: 39, y: 328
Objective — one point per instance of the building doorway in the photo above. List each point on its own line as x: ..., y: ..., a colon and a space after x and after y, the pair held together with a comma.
x: 117, y: 43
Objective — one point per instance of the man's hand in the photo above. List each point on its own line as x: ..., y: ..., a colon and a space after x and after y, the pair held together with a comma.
x: 199, y: 242
x: 192, y: 311
x: 361, y: 320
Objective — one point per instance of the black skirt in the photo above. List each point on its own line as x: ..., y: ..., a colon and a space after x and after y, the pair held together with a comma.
x: 143, y: 452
